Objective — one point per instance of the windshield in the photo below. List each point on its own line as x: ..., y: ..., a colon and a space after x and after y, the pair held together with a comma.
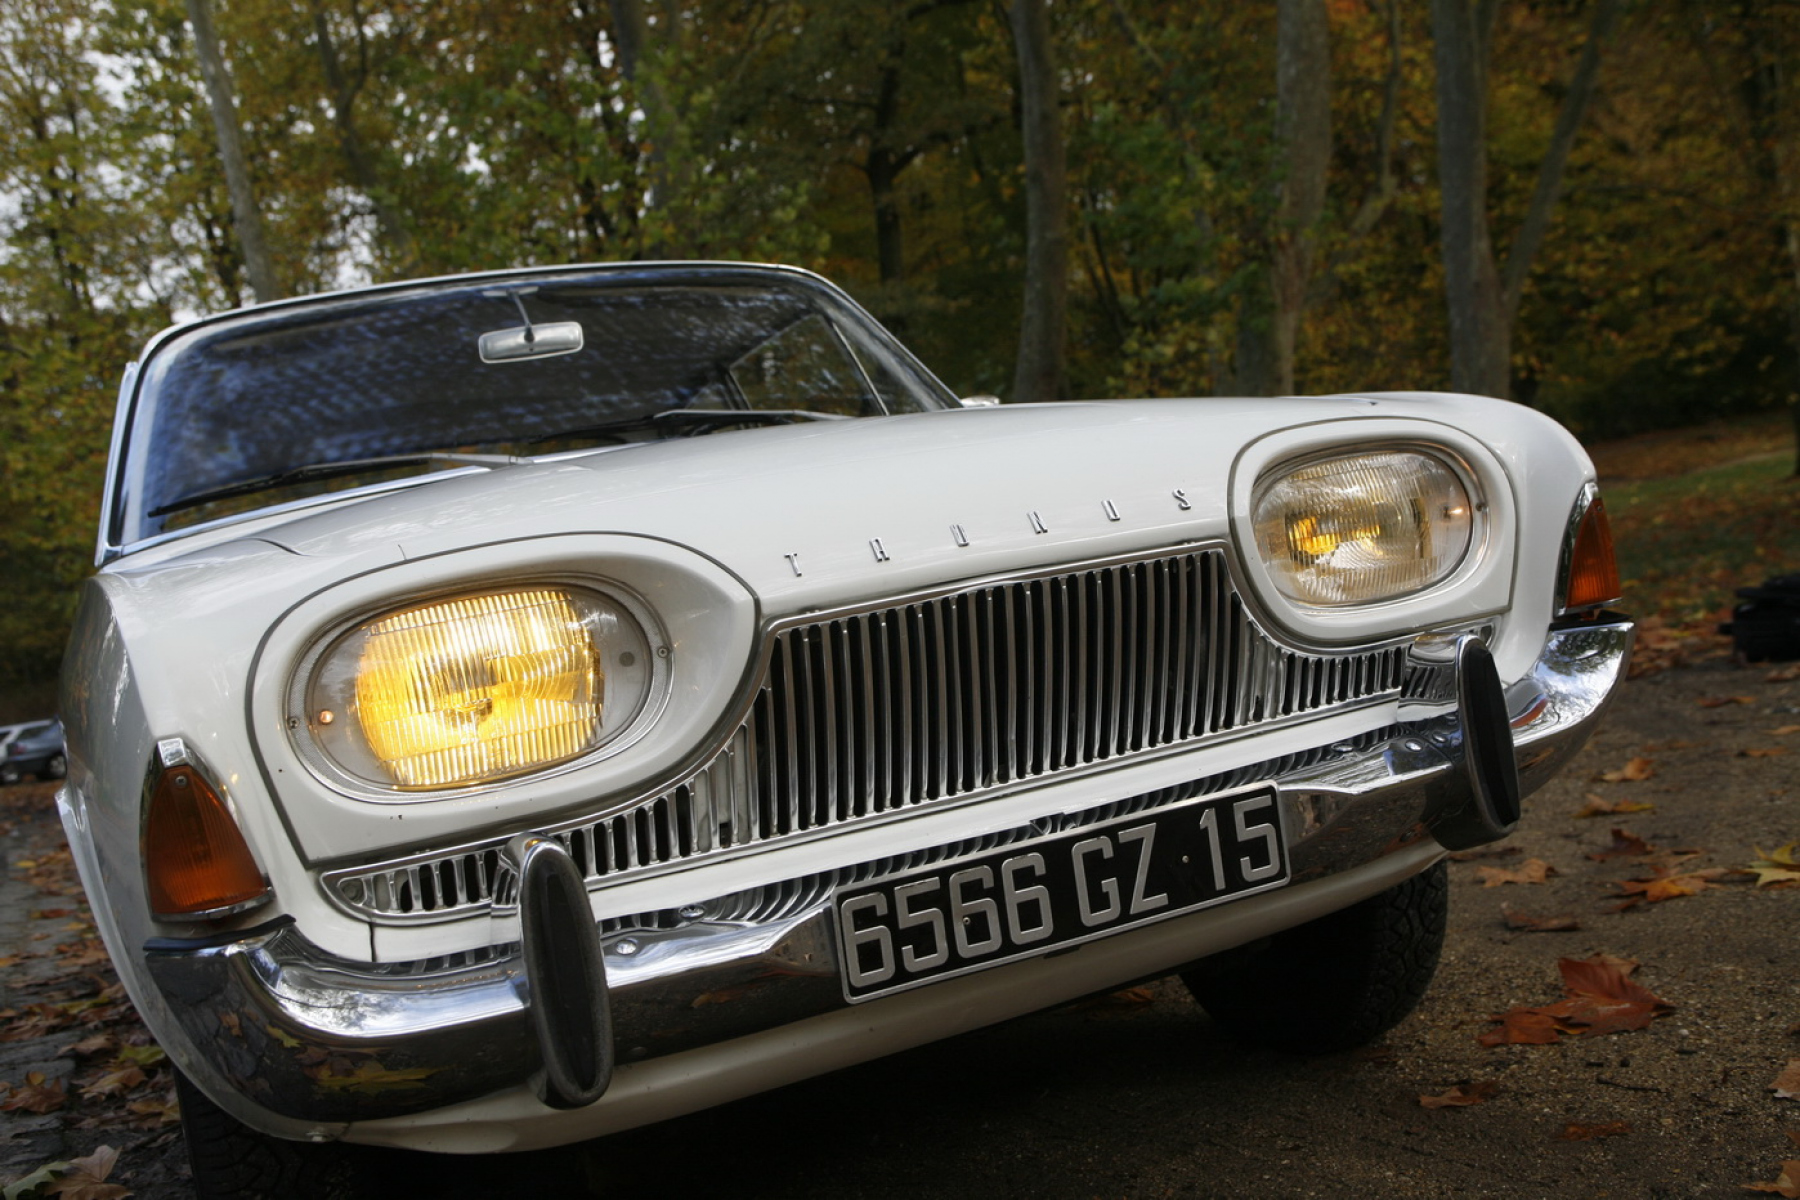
x: 518, y: 364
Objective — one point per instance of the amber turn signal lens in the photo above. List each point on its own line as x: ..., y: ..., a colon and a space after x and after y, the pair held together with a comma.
x: 1593, y: 570
x: 196, y: 862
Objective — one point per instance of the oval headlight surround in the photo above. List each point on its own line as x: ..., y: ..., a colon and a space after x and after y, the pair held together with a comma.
x: 1362, y: 528
x: 473, y: 688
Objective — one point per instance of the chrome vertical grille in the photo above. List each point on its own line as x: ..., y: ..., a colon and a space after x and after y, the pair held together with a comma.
x: 863, y: 714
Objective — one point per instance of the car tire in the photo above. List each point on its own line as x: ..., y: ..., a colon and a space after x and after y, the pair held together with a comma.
x: 1334, y: 983
x: 55, y: 768
x: 230, y: 1159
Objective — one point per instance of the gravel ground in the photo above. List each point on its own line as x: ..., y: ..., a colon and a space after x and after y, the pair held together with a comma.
x: 1140, y: 1095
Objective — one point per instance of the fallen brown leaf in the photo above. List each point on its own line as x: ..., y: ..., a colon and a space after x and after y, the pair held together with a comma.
x: 1783, y: 675
x: 1664, y: 883
x: 35, y: 1095
x: 1463, y: 1095
x: 159, y: 1110
x: 1787, y: 1084
x: 1784, y: 730
x: 86, y: 1179
x: 1657, y: 648
x: 1634, y: 771
x: 94, y: 1043
x: 1603, y: 998
x: 115, y: 1083
x: 1523, y: 1027
x: 1599, y: 998
x: 86, y: 953
x: 1786, y: 1184
x: 1722, y: 701
x: 1598, y: 807
x: 1532, y: 870
x: 1526, y: 923
x: 1573, y: 1132
x: 1625, y: 844
x: 1763, y: 752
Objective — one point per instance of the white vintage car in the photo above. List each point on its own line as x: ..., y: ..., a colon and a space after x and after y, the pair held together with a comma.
x: 519, y: 707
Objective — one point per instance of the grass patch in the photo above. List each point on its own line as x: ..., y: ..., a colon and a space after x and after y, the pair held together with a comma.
x: 1688, y: 539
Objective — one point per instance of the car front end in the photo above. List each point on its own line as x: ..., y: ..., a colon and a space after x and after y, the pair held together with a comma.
x: 527, y: 801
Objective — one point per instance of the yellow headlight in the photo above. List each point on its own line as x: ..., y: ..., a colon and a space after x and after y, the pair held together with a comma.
x: 479, y: 687
x: 1362, y: 528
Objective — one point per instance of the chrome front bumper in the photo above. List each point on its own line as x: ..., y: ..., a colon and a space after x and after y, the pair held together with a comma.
x: 292, y: 1039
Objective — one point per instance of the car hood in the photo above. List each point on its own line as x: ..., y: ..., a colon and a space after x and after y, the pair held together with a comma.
x: 807, y: 514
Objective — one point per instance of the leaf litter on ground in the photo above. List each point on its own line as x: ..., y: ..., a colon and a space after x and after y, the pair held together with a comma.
x: 1788, y: 1182
x: 1665, y: 883
x: 1463, y: 1095
x: 75, y: 1179
x: 1598, y: 806
x: 1625, y: 844
x: 1635, y: 770
x: 1526, y: 923
x: 1775, y: 868
x: 1532, y: 870
x: 1599, y: 997
x: 1576, y: 1132
x: 1787, y: 1084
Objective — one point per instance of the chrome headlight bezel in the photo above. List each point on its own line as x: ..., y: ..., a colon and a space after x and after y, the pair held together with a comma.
x: 324, y: 749
x: 1478, y: 586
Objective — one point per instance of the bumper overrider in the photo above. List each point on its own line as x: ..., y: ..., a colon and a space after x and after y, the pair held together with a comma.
x: 308, y: 1044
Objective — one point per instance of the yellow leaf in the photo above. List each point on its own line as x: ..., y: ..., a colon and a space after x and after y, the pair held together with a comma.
x: 1775, y: 867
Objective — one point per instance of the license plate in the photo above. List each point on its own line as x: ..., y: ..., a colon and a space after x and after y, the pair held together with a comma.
x: 1028, y: 899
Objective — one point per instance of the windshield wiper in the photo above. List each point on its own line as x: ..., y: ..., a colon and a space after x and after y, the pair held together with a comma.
x: 697, y: 419
x: 331, y: 470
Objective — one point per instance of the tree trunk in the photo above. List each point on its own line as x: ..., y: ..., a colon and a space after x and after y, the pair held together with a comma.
x: 1480, y: 341
x: 1483, y: 301
x: 345, y: 87
x: 882, y: 166
x: 1039, y: 373
x: 638, y: 63
x: 245, y: 215
x: 1269, y: 321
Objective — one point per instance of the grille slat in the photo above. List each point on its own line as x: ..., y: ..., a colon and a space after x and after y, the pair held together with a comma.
x: 864, y: 714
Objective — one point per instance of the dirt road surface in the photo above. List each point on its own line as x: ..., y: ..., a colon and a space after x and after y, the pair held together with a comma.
x: 1138, y: 1094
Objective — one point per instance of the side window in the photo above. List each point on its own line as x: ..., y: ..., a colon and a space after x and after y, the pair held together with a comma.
x: 805, y: 366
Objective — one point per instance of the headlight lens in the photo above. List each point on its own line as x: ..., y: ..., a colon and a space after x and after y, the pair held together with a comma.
x: 1362, y: 528
x: 480, y: 687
